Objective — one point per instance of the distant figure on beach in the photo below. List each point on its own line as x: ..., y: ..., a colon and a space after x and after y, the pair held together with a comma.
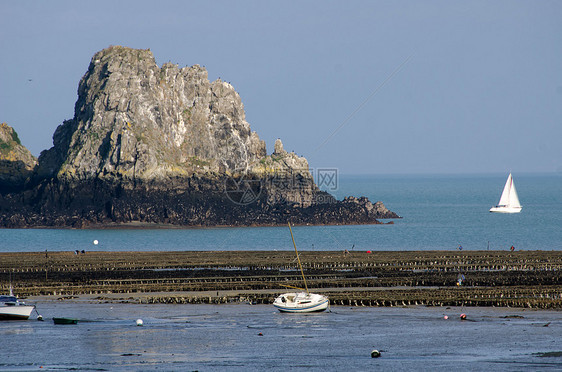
x: 460, y: 247
x: 512, y: 248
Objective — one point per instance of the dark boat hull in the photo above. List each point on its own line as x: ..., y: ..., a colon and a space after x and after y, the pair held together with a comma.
x: 65, y: 321
x: 13, y: 317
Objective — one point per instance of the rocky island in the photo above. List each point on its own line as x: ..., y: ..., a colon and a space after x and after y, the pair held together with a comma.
x: 163, y: 145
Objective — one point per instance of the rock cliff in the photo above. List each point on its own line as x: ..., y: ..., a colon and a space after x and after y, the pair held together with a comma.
x: 16, y: 162
x: 134, y: 120
x: 165, y: 145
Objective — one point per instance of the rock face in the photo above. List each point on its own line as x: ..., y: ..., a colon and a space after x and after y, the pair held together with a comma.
x: 134, y: 120
x: 16, y: 162
x: 166, y: 145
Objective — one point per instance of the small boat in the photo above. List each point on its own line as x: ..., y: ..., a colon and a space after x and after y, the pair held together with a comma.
x: 509, y: 201
x: 301, y: 302
x: 65, y: 321
x: 13, y: 309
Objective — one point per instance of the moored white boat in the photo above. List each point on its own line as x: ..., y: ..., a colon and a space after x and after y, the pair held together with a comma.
x: 13, y: 309
x: 301, y: 302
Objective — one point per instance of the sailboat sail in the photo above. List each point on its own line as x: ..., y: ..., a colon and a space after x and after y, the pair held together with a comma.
x: 509, y: 201
x: 504, y: 198
x: 513, y: 198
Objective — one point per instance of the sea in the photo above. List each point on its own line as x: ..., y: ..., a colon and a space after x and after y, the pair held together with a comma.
x: 439, y: 212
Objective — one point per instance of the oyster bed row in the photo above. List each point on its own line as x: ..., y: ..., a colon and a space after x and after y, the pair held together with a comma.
x: 491, y: 278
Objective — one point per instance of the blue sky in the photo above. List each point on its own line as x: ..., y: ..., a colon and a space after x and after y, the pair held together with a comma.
x: 413, y: 86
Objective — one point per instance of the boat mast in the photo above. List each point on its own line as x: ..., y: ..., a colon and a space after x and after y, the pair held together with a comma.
x: 11, y: 288
x: 298, y: 258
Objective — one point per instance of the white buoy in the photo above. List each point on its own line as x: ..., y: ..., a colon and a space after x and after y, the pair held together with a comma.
x: 139, y: 322
x: 96, y: 242
x: 375, y: 354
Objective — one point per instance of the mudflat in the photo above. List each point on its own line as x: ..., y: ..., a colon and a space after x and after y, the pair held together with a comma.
x: 529, y: 279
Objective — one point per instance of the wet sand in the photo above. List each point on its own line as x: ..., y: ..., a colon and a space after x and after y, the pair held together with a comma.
x: 529, y: 279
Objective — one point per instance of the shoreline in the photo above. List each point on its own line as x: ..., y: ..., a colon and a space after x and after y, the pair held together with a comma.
x: 529, y: 279
x: 135, y: 225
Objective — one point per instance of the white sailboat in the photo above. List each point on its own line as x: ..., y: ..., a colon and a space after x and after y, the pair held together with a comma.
x: 301, y: 302
x: 509, y: 201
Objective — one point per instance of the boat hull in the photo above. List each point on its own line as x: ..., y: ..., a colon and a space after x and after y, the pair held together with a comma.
x: 505, y: 209
x: 65, y: 321
x: 18, y: 312
x: 301, y: 303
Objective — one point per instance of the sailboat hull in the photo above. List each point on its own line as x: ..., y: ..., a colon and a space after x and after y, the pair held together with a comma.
x: 19, y: 312
x: 505, y: 209
x: 301, y: 303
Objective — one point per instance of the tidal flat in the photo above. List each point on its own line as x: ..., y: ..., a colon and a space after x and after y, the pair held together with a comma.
x: 240, y: 336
